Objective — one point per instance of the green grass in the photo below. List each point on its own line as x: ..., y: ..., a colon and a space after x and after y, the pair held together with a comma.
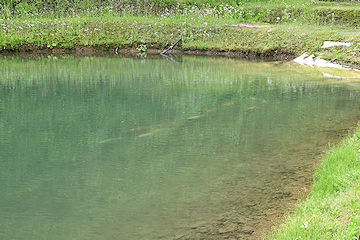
x: 295, y: 25
x: 105, y: 24
x: 332, y: 210
x: 198, y: 33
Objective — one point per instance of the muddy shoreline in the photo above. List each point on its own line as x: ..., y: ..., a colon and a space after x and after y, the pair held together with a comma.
x: 274, y: 54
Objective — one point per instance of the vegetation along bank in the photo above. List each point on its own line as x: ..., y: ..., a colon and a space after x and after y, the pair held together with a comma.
x: 249, y: 27
x: 245, y: 27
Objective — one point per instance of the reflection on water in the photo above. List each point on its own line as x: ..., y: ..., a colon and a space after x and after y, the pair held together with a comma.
x: 126, y: 148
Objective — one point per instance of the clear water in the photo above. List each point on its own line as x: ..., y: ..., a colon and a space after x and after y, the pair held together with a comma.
x: 109, y: 147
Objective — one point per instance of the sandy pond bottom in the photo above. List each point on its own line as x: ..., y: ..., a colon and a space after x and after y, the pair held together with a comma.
x: 263, y: 207
x: 247, y: 207
x: 119, y: 147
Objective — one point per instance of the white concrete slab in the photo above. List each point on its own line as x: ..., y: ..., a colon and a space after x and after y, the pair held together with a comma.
x: 328, y: 44
x: 313, y: 61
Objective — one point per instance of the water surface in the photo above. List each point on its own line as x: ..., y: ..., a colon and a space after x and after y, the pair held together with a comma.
x: 117, y: 147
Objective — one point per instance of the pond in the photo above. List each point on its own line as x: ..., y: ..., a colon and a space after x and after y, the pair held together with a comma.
x: 126, y: 147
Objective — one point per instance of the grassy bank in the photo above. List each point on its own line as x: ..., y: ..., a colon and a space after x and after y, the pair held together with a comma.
x: 286, y: 28
x: 332, y: 210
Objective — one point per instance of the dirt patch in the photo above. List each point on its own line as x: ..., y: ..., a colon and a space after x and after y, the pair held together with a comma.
x: 250, y: 25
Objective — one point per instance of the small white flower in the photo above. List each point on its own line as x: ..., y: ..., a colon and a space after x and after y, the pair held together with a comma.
x: 305, y: 225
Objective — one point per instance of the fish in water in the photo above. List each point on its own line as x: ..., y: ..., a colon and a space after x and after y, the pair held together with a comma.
x: 254, y: 98
x: 253, y: 107
x: 108, y: 140
x: 150, y: 132
x: 227, y: 104
x: 207, y: 111
x: 136, y: 129
x: 194, y: 117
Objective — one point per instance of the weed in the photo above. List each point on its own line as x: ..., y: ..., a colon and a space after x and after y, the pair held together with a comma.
x: 317, y: 47
x: 142, y: 48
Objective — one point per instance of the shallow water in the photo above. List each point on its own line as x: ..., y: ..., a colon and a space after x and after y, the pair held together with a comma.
x: 116, y: 147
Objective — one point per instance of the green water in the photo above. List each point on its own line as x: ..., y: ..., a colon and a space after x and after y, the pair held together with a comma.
x: 116, y: 147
